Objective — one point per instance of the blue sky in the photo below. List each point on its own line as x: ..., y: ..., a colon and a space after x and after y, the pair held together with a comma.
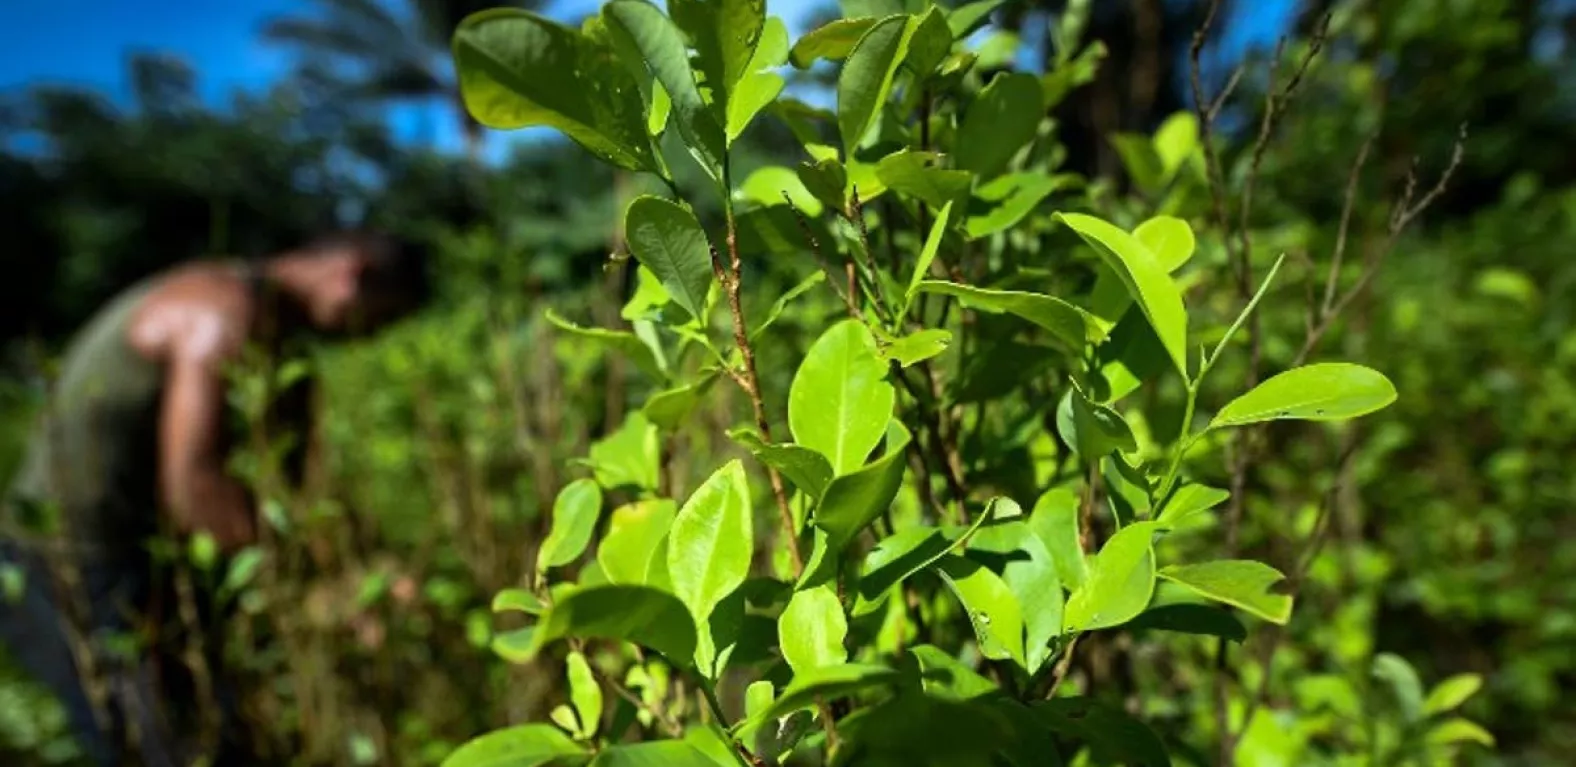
x: 86, y: 42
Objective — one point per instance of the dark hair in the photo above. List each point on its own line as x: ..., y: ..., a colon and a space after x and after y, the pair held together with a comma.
x: 399, y: 266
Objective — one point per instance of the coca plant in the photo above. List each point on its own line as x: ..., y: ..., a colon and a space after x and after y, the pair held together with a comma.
x: 966, y: 485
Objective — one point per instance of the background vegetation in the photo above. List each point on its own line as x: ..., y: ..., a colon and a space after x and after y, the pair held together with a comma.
x: 365, y: 638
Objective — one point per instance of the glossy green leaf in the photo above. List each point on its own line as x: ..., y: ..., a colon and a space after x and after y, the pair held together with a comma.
x: 807, y: 469
x: 656, y: 753
x: 929, y: 43
x: 585, y: 693
x: 517, y: 600
x: 725, y: 34
x: 966, y: 19
x: 1458, y: 730
x: 1451, y: 693
x: 852, y: 501
x: 1012, y: 550
x: 811, y: 630
x: 1326, y: 391
x: 866, y: 78
x: 623, y: 342
x: 1146, y: 281
x: 906, y: 552
x: 657, y: 575
x: 663, y: 47
x: 916, y: 175
x: 769, y: 184
x: 638, y: 614
x: 1242, y: 583
x: 525, y: 745
x: 1113, y: 735
x: 1055, y: 520
x: 840, y: 401
x: 828, y: 683
x: 753, y: 94
x: 1093, y: 430
x: 1121, y: 580
x: 947, y: 677
x: 918, y: 346
x: 517, y: 69
x: 575, y: 514
x: 1175, y: 141
x: 517, y: 646
x: 633, y: 532
x: 1169, y: 239
x: 1187, y: 501
x: 1003, y: 118
x: 665, y: 237
x: 1187, y: 618
x: 628, y: 457
x: 1405, y: 688
x: 833, y: 41
x: 993, y: 610
x: 709, y: 550
x: 1071, y: 325
x: 927, y: 254
x: 1005, y: 200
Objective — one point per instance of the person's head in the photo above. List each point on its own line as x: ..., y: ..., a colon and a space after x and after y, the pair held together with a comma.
x: 356, y: 282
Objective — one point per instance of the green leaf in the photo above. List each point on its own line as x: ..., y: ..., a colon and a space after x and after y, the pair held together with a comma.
x: 628, y: 457
x: 1055, y: 521
x: 827, y: 683
x: 709, y: 551
x: 927, y: 255
x: 1169, y: 239
x: 575, y: 513
x: 1003, y: 118
x: 516, y: 646
x: 638, y: 614
x: 622, y: 341
x: 754, y: 93
x: 827, y: 180
x: 1241, y: 583
x: 1007, y: 199
x: 1121, y: 581
x: 1187, y: 501
x: 662, y: 46
x: 866, y: 78
x: 517, y: 69
x: 1186, y: 618
x: 853, y: 501
x: 1110, y: 732
x: 929, y: 43
x: 1458, y: 730
x: 585, y: 693
x: 658, y: 753
x: 914, y: 174
x: 840, y: 401
x: 517, y: 600
x: 1405, y: 687
x: 666, y: 238
x: 1176, y: 141
x: 243, y: 568
x: 767, y: 185
x: 725, y: 34
x: 1012, y: 550
x: 1146, y: 281
x: 1326, y: 391
x: 782, y: 302
x: 1451, y: 693
x: 805, y: 468
x: 993, y: 610
x: 1093, y: 430
x: 900, y: 555
x: 834, y: 41
x: 947, y: 677
x: 1071, y: 325
x: 966, y: 19
x: 811, y: 630
x: 918, y: 346
x: 633, y: 532
x: 668, y: 409
x: 526, y: 745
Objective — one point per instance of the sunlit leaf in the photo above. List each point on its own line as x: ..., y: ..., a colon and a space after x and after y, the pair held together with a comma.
x: 638, y: 614
x: 807, y: 469
x: 852, y: 501
x: 709, y: 550
x: 1002, y: 202
x: 1071, y: 325
x: 828, y: 683
x: 1169, y: 239
x: 840, y: 401
x: 833, y: 41
x: 633, y: 532
x: 1012, y: 550
x: 1451, y: 693
x: 1120, y: 582
x: 575, y: 514
x: 628, y: 457
x: 1055, y: 520
x: 918, y: 346
x: 1093, y: 430
x: 662, y: 46
x: 1146, y: 281
x: 768, y: 184
x: 916, y: 175
x: 992, y: 609
x: 656, y: 753
x: 525, y: 745
x: 866, y: 78
x: 1242, y: 583
x: 585, y: 693
x: 811, y: 630
x: 1187, y: 501
x: 1326, y: 391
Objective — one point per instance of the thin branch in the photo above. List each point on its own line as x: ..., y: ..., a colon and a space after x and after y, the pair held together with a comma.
x: 1333, y: 278
x: 820, y: 260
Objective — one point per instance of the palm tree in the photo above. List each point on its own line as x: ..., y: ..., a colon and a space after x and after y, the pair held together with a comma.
x: 384, y: 54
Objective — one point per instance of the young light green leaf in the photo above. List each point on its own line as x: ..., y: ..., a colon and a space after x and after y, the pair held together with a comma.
x: 826, y: 683
x: 1114, y: 736
x: 585, y: 694
x: 805, y: 468
x: 1003, y: 118
x: 628, y: 457
x: 662, y: 46
x: 993, y: 610
x: 1012, y: 550
x: 633, y: 532
x: 918, y: 346
x: 1146, y: 281
x: 1326, y: 391
x: 517, y: 600
x: 754, y: 93
x: 914, y: 174
x: 1187, y: 501
x: 621, y: 341
x: 840, y: 401
x: 1240, y: 583
x: 927, y: 254
x: 575, y: 513
x: 1005, y: 200
x: 1458, y: 730
x: 1120, y: 582
x: 1055, y: 521
x: 1451, y: 693
x: 867, y: 77
x: 525, y: 745
x: 638, y: 614
x: 665, y: 237
x: 1071, y: 325
x: 656, y: 753
x: 834, y: 41
x: 517, y: 646
x: 517, y: 69
x: 966, y: 19
x: 709, y: 550
x: 768, y: 184
x: 811, y: 630
x: 1169, y: 239
x: 1187, y: 618
x: 853, y: 501
x: 1405, y: 687
x: 243, y: 568
x: 1176, y: 141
